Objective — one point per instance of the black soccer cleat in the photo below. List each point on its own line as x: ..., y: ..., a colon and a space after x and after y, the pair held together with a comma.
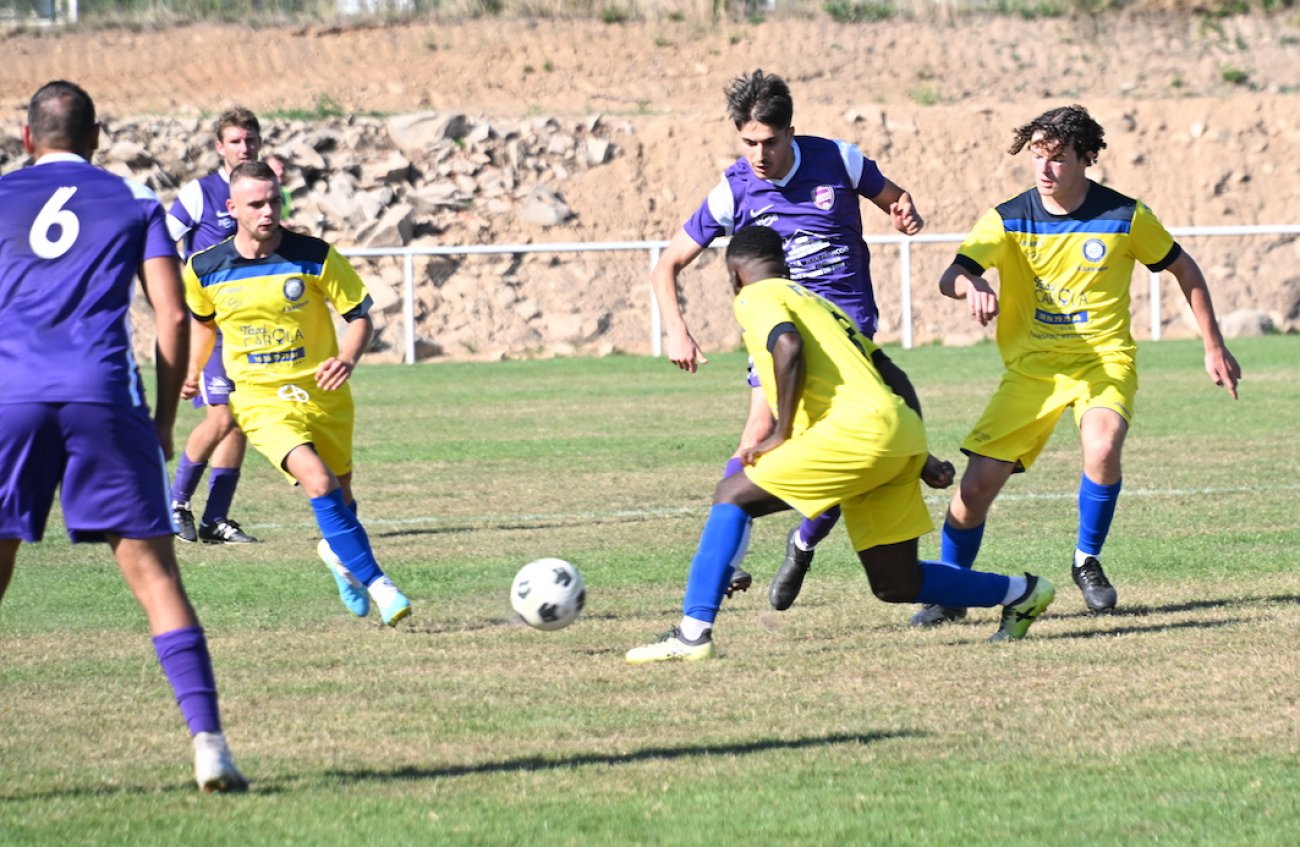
x: 183, y: 522
x: 932, y: 614
x: 740, y: 581
x: 788, y: 581
x: 224, y: 531
x: 1098, y: 593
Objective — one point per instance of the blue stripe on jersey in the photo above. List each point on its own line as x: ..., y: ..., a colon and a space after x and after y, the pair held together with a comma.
x: 230, y: 274
x: 1065, y: 227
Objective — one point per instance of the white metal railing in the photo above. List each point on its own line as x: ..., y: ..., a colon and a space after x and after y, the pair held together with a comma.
x: 654, y: 248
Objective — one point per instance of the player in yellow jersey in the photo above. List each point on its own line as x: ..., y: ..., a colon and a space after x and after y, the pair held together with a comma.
x: 848, y: 431
x: 1064, y: 252
x: 269, y: 291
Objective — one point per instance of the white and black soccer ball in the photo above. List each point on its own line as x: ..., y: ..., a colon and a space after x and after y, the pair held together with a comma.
x: 548, y: 593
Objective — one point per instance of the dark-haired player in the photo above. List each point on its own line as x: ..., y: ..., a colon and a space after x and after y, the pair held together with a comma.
x: 807, y: 189
x: 847, y: 431
x: 1064, y: 251
x: 73, y: 417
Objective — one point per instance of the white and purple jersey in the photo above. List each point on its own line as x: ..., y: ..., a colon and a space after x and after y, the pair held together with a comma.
x: 198, y: 218
x: 814, y: 208
x: 72, y: 239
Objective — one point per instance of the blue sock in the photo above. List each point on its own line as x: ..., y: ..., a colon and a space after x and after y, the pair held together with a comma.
x: 813, y: 530
x: 733, y: 467
x: 724, y: 532
x: 950, y: 585
x: 183, y: 654
x: 960, y: 546
x: 346, y: 536
x: 188, y: 474
x: 221, y: 493
x: 1096, y: 509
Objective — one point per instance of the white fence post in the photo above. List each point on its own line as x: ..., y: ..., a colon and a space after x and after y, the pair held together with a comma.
x: 656, y: 323
x: 1153, y: 290
x: 905, y: 291
x: 408, y: 305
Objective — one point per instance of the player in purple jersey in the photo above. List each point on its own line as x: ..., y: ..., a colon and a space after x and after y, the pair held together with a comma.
x: 806, y: 189
x: 73, y: 238
x: 199, y: 219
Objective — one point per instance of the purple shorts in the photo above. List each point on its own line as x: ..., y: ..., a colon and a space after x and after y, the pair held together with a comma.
x: 214, y: 385
x: 105, y: 459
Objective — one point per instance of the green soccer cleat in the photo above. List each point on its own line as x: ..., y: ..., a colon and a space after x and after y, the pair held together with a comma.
x: 392, y: 603
x: 672, y: 647
x: 1018, y: 616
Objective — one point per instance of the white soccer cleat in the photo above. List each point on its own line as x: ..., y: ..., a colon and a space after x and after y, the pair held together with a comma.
x: 392, y: 603
x: 214, y: 769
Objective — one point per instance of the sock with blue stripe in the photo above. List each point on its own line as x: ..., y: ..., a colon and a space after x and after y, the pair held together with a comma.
x: 1096, y: 510
x: 954, y: 586
x: 346, y: 536
x: 960, y: 546
x: 724, y: 534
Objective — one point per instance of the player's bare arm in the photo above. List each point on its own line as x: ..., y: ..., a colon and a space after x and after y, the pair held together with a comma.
x: 683, y: 351
x: 1219, y: 362
x: 937, y: 473
x: 334, y: 371
x: 758, y: 424
x: 203, y: 339
x: 789, y: 370
x: 898, y: 204
x: 960, y: 284
x: 161, y: 278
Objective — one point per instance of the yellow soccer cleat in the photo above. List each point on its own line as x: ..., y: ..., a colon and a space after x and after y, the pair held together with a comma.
x: 672, y: 647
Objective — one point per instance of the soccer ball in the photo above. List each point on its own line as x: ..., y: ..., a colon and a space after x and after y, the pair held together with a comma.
x: 548, y: 593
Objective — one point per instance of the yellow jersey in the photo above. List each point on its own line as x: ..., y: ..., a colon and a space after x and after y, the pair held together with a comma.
x: 1064, y: 279
x: 841, y: 382
x: 273, y: 312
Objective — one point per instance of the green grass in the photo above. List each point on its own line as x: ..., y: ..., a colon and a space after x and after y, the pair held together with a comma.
x: 1173, y: 720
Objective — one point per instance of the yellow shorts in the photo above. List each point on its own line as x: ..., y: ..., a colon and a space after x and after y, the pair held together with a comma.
x: 880, y: 496
x: 276, y: 420
x: 1024, y: 411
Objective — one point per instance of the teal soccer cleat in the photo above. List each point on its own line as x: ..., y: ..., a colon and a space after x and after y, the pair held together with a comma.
x: 351, y: 591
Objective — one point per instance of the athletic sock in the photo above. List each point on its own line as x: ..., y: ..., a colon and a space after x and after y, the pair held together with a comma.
x: 960, y: 546
x: 692, y: 628
x: 949, y: 585
x: 813, y: 530
x: 346, y: 536
x: 188, y: 474
x: 1096, y: 509
x: 711, y: 569
x: 221, y: 493
x: 183, y: 654
x: 733, y: 467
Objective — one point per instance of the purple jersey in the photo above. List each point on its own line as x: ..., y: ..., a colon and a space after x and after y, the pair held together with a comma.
x: 72, y: 239
x: 198, y: 217
x: 814, y: 209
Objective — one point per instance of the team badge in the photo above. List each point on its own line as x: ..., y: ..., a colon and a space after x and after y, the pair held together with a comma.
x: 823, y: 197
x: 1094, y: 250
x: 293, y: 394
x: 293, y: 288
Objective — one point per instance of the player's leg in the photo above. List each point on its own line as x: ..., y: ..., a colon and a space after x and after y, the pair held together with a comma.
x: 8, y: 556
x: 343, y: 533
x: 203, y: 440
x: 1101, y: 433
x: 217, y: 527
x: 758, y: 425
x: 736, y: 502
x: 149, y: 568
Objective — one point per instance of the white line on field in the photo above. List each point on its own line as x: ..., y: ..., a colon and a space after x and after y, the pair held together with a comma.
x: 487, y: 521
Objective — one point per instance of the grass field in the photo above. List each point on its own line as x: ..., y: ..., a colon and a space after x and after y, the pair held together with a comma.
x: 1174, y: 720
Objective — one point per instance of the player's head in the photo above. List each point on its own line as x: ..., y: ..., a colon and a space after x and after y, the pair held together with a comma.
x: 61, y: 117
x: 255, y: 201
x: 1064, y: 143
x: 760, y: 106
x: 239, y: 136
x: 755, y: 253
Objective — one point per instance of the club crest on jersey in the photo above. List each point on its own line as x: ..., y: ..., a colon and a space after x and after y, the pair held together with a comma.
x: 823, y: 197
x: 293, y: 288
x: 1094, y: 250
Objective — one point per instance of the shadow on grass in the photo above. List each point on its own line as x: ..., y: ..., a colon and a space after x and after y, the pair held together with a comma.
x: 544, y: 763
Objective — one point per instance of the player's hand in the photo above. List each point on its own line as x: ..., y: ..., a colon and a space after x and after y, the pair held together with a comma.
x: 749, y: 455
x: 332, y: 373
x: 190, y: 387
x: 906, y: 218
x: 684, y: 352
x: 937, y: 473
x: 1223, y: 369
x: 981, y: 299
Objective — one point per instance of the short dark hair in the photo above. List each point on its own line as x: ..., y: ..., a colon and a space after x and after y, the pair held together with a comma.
x: 760, y: 97
x: 253, y: 170
x: 61, y: 115
x: 757, y: 242
x: 1067, y: 126
x: 236, y: 116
